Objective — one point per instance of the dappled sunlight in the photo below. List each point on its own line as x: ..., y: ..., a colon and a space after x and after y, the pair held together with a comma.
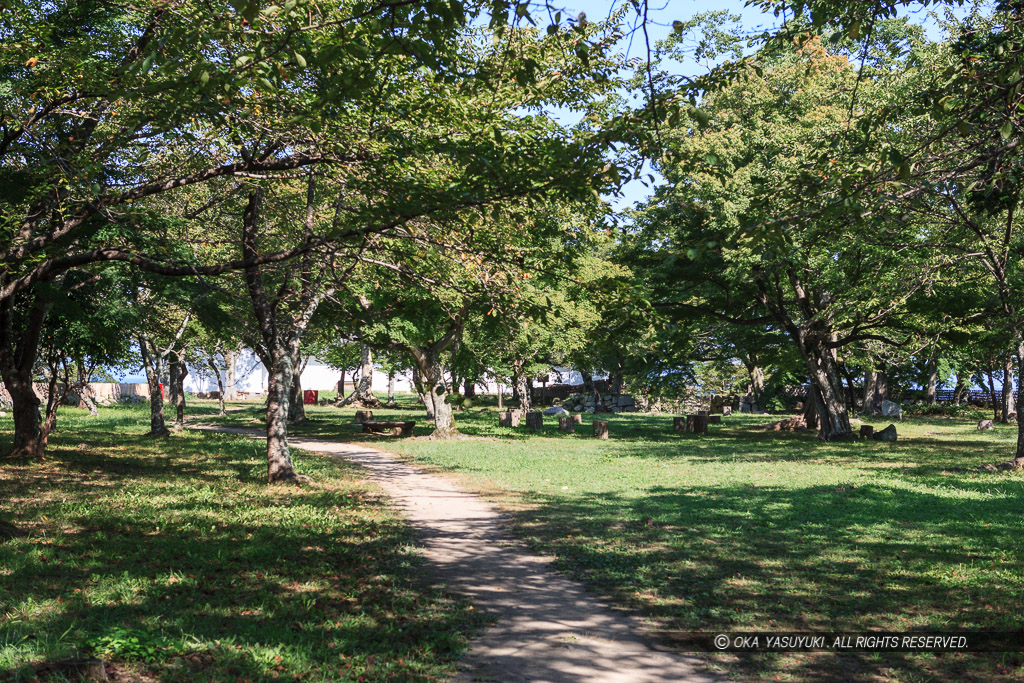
x: 132, y: 558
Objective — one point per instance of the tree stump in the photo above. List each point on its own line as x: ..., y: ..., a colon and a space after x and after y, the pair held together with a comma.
x: 600, y: 429
x: 509, y: 418
x: 577, y: 418
x: 726, y: 410
x: 363, y: 416
x: 697, y: 424
x: 567, y: 424
x: 867, y: 431
x: 679, y: 424
x: 535, y: 420
x: 715, y: 419
x: 703, y: 413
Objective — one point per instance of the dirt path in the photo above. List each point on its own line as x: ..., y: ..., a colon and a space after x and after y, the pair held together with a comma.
x: 548, y: 627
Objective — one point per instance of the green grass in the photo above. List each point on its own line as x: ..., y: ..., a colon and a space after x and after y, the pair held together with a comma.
x: 171, y: 558
x: 745, y: 530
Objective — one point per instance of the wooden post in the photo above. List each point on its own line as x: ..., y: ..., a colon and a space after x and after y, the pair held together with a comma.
x: 697, y: 424
x: 867, y: 431
x: 535, y: 420
x: 363, y: 416
x: 679, y: 424
x: 499, y: 397
x: 509, y: 418
x: 566, y: 424
x: 600, y: 429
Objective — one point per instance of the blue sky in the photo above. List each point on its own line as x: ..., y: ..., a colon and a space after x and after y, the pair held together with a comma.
x: 661, y: 14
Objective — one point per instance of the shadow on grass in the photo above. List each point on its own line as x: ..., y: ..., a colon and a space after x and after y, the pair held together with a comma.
x: 820, y: 558
x: 171, y: 555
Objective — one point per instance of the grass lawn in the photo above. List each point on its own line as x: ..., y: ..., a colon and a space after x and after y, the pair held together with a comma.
x: 745, y: 530
x: 172, y: 560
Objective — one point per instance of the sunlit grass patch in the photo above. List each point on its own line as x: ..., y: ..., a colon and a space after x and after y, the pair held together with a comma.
x: 172, y: 557
x: 752, y: 530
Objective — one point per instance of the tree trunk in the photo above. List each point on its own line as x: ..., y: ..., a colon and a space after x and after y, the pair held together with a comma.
x: 53, y: 401
x: 17, y: 361
x: 279, y: 389
x: 363, y: 395
x: 588, y: 381
x: 172, y: 388
x: 178, y: 371
x: 296, y: 399
x: 1020, y: 400
x: 152, y: 363
x: 421, y: 393
x: 500, y: 397
x: 523, y: 391
x: 179, y: 401
x: 827, y: 390
x: 432, y: 372
x: 992, y: 394
x: 1007, y: 404
x: 960, y: 390
x: 933, y: 381
x: 756, y: 377
x: 211, y: 361
x: 230, y: 359
x: 876, y: 390
x: 470, y: 388
x: 391, y: 387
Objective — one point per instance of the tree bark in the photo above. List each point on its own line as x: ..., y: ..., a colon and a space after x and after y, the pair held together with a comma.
x: 876, y: 390
x: 436, y: 392
x: 756, y: 377
x: 421, y: 392
x: 56, y: 395
x: 151, y: 362
x: 178, y: 372
x: 17, y: 362
x: 521, y: 388
x: 1007, y: 403
x: 1020, y: 399
x: 933, y: 381
x: 960, y: 390
x: 296, y: 401
x: 992, y: 393
x: 363, y: 395
x: 281, y: 332
x: 230, y: 359
x: 279, y: 459
x: 828, y: 395
x: 212, y: 362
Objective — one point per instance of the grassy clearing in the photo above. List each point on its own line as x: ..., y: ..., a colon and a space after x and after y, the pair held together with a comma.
x: 747, y: 530
x: 172, y: 559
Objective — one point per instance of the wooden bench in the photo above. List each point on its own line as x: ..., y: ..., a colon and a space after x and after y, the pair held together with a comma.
x: 393, y: 428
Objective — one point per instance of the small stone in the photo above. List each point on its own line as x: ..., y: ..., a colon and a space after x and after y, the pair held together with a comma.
x: 891, y: 409
x: 985, y: 424
x: 888, y: 434
x: 556, y: 410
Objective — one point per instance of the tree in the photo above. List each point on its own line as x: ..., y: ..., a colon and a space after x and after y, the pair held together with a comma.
x: 821, y: 279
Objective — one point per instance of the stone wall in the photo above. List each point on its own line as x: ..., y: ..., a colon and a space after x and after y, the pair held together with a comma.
x: 607, y: 403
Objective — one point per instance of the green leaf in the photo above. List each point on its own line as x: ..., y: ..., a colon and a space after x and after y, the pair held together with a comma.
x: 1006, y: 130
x: 204, y: 78
x: 300, y: 60
x: 678, y: 26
